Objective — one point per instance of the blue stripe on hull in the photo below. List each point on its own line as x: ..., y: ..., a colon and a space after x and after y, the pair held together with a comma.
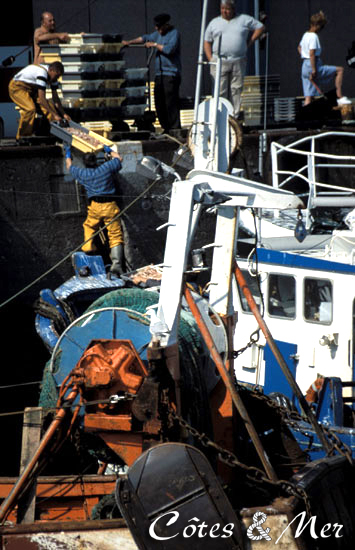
x: 296, y: 260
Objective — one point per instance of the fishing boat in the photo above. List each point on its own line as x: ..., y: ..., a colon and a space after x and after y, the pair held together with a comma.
x: 168, y: 388
x: 153, y: 368
x: 303, y: 284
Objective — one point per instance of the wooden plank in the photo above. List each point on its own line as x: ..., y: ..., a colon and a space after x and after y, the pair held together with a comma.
x: 31, y: 435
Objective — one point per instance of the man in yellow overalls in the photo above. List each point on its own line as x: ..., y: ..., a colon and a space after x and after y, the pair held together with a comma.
x: 99, y: 183
x: 28, y: 88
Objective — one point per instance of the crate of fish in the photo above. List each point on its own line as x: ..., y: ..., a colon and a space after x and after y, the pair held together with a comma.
x: 79, y: 137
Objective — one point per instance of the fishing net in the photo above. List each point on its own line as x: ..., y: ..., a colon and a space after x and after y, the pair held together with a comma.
x: 192, y: 354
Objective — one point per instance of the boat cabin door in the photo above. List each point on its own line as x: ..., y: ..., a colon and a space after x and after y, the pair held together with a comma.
x: 275, y: 380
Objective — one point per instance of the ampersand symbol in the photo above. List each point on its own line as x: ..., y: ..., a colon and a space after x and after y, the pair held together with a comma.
x: 257, y: 524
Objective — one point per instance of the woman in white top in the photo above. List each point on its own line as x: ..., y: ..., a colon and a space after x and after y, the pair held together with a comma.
x: 312, y: 68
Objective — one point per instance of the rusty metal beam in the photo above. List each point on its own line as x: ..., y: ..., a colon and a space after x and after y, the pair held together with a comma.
x: 227, y: 379
x: 11, y: 499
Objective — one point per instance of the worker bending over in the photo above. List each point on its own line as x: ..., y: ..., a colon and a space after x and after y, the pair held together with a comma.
x: 100, y: 188
x: 28, y: 89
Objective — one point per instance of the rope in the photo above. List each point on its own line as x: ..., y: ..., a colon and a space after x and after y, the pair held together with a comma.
x: 61, y: 194
x: 18, y: 385
x: 257, y: 525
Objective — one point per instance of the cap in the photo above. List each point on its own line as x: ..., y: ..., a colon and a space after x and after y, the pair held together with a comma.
x: 90, y: 160
x: 161, y: 19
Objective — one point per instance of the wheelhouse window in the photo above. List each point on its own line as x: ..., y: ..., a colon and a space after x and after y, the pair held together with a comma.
x: 318, y: 300
x: 253, y: 284
x: 281, y: 296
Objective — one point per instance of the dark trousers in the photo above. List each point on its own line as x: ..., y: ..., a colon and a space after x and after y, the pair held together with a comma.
x: 167, y: 103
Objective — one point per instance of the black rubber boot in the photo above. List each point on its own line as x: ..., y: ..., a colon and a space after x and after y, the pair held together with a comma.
x: 117, y: 257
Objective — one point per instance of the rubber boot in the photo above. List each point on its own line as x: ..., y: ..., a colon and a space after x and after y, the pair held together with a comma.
x: 117, y: 257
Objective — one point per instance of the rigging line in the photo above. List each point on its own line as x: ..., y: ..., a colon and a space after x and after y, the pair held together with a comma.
x: 22, y: 384
x: 69, y: 405
x: 67, y: 256
x: 60, y: 194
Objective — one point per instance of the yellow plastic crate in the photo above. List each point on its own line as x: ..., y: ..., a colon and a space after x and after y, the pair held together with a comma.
x: 101, y: 127
x: 79, y: 142
x: 85, y: 147
x: 51, y: 57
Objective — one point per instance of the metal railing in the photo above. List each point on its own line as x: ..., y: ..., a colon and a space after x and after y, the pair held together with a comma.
x: 320, y: 194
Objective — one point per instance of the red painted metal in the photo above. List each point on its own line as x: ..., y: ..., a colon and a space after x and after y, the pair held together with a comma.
x: 10, y: 501
x: 230, y: 385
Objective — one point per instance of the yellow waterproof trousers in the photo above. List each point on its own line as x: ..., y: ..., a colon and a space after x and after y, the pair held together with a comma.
x: 25, y: 96
x: 102, y: 212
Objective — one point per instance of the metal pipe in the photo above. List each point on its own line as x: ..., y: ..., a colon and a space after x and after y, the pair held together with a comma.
x: 266, y: 77
x: 228, y: 382
x: 256, y: 43
x: 286, y: 371
x: 215, y: 100
x: 10, y: 500
x: 199, y: 69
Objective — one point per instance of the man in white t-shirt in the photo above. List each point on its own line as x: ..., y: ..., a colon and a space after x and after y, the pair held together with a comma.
x: 235, y: 32
x: 28, y: 89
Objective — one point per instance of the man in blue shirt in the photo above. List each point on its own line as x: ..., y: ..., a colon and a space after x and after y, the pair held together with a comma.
x: 99, y: 183
x: 166, y: 41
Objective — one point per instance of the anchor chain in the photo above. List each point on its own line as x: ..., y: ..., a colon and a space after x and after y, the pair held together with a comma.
x: 292, y: 419
x: 252, y: 472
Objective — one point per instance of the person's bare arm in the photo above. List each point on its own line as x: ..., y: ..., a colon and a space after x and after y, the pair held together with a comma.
x: 256, y: 35
x: 41, y: 36
x: 299, y: 49
x: 159, y: 47
x: 115, y: 155
x: 43, y: 101
x: 58, y: 105
x: 312, y: 58
x: 207, y: 46
x: 68, y: 163
x: 138, y: 40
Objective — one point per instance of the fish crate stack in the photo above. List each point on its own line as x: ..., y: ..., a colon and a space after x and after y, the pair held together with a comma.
x: 286, y: 109
x: 256, y: 91
x: 96, y: 84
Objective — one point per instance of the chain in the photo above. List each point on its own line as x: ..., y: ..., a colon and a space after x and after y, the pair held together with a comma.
x: 253, y: 339
x: 229, y: 458
x: 292, y: 419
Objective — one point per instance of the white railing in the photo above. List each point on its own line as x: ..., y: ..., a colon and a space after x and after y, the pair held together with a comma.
x: 320, y: 194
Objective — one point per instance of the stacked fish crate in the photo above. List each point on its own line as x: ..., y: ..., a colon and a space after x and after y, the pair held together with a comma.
x: 286, y: 109
x: 96, y: 85
x: 258, y: 94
